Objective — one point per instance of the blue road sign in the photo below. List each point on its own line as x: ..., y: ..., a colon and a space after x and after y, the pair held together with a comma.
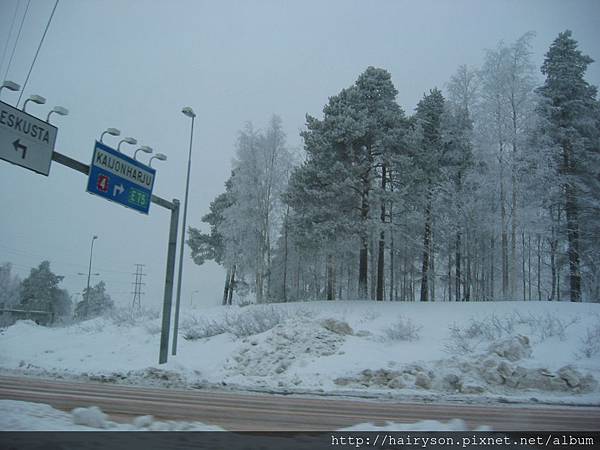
x: 121, y: 179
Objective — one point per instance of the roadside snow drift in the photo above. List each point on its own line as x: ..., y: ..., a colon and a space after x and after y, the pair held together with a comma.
x: 521, y: 351
x: 27, y: 416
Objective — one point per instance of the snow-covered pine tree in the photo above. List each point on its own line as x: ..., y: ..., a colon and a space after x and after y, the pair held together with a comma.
x: 39, y: 291
x: 570, y: 109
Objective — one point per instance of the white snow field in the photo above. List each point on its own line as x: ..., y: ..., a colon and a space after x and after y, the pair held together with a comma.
x: 475, y: 352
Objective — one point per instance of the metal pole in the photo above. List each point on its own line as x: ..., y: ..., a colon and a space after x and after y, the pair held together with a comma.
x: 87, y: 292
x: 170, y: 275
x: 181, y: 247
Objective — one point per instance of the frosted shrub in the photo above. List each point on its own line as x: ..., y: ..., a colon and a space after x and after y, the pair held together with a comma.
x: 461, y: 341
x: 547, y: 325
x: 125, y: 316
x: 241, y: 323
x: 590, y: 342
x: 402, y: 330
x: 255, y: 320
x: 194, y: 328
x: 153, y: 328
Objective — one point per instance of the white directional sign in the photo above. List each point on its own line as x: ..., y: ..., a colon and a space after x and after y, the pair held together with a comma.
x: 26, y: 140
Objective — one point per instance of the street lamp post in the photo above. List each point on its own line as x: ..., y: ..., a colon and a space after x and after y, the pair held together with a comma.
x: 87, y: 292
x: 190, y: 113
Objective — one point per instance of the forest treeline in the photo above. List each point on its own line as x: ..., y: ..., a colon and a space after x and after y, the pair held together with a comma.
x: 489, y: 191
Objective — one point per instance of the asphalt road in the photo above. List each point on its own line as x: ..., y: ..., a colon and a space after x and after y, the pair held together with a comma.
x: 250, y: 412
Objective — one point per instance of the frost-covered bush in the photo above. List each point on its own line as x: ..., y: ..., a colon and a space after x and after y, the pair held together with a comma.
x: 153, y: 328
x: 461, y: 341
x: 547, y: 325
x: 241, y: 323
x: 255, y: 320
x: 590, y: 342
x: 402, y: 330
x: 127, y: 316
x: 194, y: 328
x: 491, y: 328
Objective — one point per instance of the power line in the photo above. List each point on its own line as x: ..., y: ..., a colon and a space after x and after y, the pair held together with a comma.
x: 37, y: 52
x: 32, y: 256
x: 12, y: 25
x: 17, y: 40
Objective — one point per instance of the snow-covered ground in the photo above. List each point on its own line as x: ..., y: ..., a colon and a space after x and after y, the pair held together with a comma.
x: 480, y: 351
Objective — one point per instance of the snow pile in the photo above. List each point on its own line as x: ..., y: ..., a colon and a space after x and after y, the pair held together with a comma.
x: 493, y: 371
x: 90, y: 417
x: 292, y: 342
x: 25, y: 416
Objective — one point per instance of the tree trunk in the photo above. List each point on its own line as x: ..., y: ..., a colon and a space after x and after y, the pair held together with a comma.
x: 468, y: 284
x: 285, y: 252
x: 231, y: 285
x: 523, y: 263
x: 392, y: 268
x: 449, y: 271
x: 492, y: 267
x: 431, y: 277
x: 539, y: 266
x: 381, y: 249
x: 573, y: 243
x: 505, y: 286
x: 363, y: 264
x: 457, y: 260
x: 426, y: 247
x: 529, y: 266
x: 330, y: 277
x: 226, y: 289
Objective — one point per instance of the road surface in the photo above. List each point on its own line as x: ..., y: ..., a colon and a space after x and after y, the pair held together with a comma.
x: 254, y: 412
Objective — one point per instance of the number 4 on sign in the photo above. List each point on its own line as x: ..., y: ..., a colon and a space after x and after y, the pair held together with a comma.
x: 102, y: 183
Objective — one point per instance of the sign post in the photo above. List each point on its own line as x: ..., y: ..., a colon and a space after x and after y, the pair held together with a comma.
x: 26, y: 140
x: 120, y: 178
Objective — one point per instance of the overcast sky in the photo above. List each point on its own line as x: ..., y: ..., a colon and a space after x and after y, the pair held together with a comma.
x: 133, y: 64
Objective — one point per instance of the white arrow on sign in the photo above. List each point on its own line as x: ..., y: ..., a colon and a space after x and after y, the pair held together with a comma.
x: 119, y: 188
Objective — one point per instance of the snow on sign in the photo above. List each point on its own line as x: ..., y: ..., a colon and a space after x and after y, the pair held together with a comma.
x: 26, y: 140
x: 121, y: 179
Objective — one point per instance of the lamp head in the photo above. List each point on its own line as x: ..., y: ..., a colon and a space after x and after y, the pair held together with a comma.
x: 10, y: 85
x: 160, y: 156
x: 113, y: 131
x: 188, y: 112
x: 37, y: 99
x: 61, y: 111
x: 146, y: 149
x: 130, y: 140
